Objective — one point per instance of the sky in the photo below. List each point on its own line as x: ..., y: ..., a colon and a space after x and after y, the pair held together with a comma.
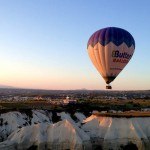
x: 43, y: 43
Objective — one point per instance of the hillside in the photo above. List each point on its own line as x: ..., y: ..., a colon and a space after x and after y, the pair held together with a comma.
x: 51, y: 130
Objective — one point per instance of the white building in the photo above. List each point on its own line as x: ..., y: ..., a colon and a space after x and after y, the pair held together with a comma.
x: 69, y: 101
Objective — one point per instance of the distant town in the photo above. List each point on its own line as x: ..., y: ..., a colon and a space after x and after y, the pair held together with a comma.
x: 28, y: 94
x: 75, y: 100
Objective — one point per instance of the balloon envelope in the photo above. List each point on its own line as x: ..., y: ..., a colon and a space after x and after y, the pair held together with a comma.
x: 110, y: 49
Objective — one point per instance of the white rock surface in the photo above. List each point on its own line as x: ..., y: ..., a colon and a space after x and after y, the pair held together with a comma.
x: 61, y: 135
x: 80, y: 116
x: 114, y: 132
x: 40, y: 116
x: 10, y: 122
x: 85, y: 133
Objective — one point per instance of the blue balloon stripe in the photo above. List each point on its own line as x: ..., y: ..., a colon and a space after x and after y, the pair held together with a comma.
x: 111, y: 34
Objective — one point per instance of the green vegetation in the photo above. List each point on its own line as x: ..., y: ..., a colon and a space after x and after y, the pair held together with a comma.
x: 83, y: 105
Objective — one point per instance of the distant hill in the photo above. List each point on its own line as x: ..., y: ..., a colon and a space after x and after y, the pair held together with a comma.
x: 6, y: 86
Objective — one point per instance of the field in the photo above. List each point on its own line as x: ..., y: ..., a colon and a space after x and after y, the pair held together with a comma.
x: 126, y: 114
x: 120, y: 108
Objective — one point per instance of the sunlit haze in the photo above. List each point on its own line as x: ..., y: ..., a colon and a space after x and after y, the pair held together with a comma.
x: 43, y: 44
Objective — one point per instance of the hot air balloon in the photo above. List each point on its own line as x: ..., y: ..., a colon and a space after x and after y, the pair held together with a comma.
x: 110, y: 49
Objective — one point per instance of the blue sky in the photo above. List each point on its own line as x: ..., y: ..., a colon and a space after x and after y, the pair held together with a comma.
x: 43, y: 42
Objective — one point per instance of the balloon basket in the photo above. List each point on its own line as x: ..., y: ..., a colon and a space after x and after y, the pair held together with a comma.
x: 108, y: 87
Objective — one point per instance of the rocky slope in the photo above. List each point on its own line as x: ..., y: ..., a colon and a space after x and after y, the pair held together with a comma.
x: 48, y: 130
